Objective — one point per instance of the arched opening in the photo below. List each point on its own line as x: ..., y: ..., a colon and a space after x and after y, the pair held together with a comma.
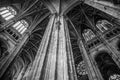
x: 103, y: 25
x: 88, y: 34
x: 17, y: 29
x: 108, y: 68
x: 3, y: 50
x: 21, y: 26
x: 8, y: 12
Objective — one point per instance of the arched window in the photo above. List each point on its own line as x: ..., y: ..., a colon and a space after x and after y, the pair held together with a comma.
x: 88, y: 34
x: 103, y: 25
x: 21, y: 26
x: 7, y: 13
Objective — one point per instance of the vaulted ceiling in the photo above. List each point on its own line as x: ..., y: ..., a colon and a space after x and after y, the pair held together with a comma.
x: 62, y: 5
x: 78, y: 14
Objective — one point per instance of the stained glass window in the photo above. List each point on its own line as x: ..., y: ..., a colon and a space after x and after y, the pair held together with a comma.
x: 88, y: 34
x: 7, y: 13
x: 21, y: 26
x: 103, y: 25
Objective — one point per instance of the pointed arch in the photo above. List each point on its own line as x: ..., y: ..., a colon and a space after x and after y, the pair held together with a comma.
x: 88, y: 34
x: 103, y: 25
x: 21, y: 26
x: 106, y: 65
x: 8, y: 12
x: 21, y: 61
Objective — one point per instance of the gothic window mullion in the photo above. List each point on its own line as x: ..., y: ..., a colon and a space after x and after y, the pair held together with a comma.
x: 88, y: 35
x: 7, y: 13
x: 17, y: 30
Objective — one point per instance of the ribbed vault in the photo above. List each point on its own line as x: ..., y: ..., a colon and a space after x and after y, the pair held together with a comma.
x: 78, y: 15
x: 37, y: 14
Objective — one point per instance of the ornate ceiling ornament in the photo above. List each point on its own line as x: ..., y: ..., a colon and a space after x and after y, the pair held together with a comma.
x: 81, y: 68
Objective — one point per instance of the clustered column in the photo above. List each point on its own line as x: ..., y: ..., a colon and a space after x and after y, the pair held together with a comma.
x: 51, y: 62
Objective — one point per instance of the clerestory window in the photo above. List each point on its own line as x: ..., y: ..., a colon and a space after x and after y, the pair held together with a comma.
x: 7, y: 13
x: 103, y: 25
x: 88, y: 34
x: 21, y: 26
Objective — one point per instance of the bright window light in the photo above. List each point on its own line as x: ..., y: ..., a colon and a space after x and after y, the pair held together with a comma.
x: 4, y: 12
x: 9, y: 17
x: 3, y: 8
x: 103, y: 25
x: 7, y: 13
x: 21, y: 26
x: 21, y: 29
x: 16, y: 24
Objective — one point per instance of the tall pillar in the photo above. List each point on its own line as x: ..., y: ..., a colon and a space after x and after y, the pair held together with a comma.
x: 23, y: 40
x: 52, y: 60
x: 92, y: 74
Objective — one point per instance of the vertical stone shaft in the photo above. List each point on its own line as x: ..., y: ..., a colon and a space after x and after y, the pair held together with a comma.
x: 49, y: 73
x: 71, y: 63
x: 62, y: 67
x: 39, y: 60
x: 51, y: 62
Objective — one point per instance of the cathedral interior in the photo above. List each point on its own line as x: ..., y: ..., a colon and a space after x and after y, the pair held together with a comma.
x: 59, y: 39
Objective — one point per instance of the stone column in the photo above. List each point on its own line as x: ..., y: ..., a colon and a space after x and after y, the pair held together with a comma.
x: 51, y: 62
x: 91, y: 71
x: 15, y: 52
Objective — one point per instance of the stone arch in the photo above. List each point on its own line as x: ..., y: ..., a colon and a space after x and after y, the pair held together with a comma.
x: 21, y: 26
x: 8, y: 12
x: 98, y: 18
x: 106, y: 65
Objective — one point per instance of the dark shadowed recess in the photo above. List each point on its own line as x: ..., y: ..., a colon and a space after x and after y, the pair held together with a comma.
x: 76, y: 51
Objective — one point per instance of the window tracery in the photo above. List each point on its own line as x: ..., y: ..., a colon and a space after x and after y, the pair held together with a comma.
x: 81, y: 69
x: 17, y: 29
x: 88, y: 34
x: 21, y: 26
x: 7, y: 13
x: 103, y: 25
